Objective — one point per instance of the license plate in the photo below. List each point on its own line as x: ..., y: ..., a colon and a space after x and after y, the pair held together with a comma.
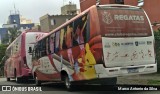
x: 133, y: 70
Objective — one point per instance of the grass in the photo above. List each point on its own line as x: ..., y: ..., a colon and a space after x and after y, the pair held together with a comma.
x: 153, y: 82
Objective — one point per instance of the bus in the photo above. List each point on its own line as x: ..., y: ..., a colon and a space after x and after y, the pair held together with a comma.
x: 98, y: 45
x: 18, y: 60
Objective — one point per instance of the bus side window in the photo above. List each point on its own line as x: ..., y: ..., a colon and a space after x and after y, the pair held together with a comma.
x: 52, y: 43
x: 43, y: 47
x: 57, y: 41
x: 47, y: 46
x: 80, y: 34
x: 34, y: 55
x: 38, y: 49
x: 69, y: 35
x: 76, y: 32
x: 63, y: 39
x: 84, y: 25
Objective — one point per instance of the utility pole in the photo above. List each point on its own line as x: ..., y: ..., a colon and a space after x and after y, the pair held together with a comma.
x: 15, y: 8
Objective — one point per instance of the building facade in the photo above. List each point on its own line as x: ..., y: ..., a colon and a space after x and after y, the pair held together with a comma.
x: 14, y: 21
x: 24, y: 20
x: 3, y: 33
x: 69, y: 9
x: 50, y: 22
x: 151, y: 7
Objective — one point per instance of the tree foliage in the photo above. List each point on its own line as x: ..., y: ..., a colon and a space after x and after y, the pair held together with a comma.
x: 157, y: 48
x: 13, y: 33
x: 2, y: 53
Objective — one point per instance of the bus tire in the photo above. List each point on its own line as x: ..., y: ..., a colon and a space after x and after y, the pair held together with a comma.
x: 8, y: 79
x: 68, y: 83
x: 37, y: 82
x: 18, y: 79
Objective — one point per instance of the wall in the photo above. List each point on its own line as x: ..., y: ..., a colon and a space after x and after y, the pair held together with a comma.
x: 45, y: 21
x: 3, y: 32
x: 152, y: 9
x: 70, y: 9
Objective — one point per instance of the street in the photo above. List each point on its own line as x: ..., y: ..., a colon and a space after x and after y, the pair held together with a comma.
x: 54, y: 88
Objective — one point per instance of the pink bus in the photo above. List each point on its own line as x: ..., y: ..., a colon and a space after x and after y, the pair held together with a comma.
x: 18, y: 59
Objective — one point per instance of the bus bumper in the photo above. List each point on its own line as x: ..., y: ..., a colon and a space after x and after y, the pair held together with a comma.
x: 124, y: 71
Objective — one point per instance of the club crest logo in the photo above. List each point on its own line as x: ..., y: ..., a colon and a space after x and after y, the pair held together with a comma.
x: 107, y: 18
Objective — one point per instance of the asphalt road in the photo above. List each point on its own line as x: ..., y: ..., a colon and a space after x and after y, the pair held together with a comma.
x: 58, y: 88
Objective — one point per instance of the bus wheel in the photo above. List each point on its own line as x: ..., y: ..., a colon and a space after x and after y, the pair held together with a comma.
x: 37, y: 82
x: 8, y: 79
x: 18, y: 79
x: 68, y: 83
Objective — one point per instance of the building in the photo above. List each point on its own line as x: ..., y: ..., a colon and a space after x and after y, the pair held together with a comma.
x: 24, y: 20
x: 36, y: 27
x: 14, y: 21
x: 151, y: 7
x: 3, y: 32
x: 69, y: 9
x: 50, y: 22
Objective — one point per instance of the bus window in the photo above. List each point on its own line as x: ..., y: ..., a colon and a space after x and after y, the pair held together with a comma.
x: 52, y: 43
x: 38, y: 49
x: 61, y: 38
x: 69, y: 35
x: 80, y: 34
x: 47, y: 46
x: 57, y: 42
x: 43, y: 48
x: 35, y: 53
x: 84, y: 29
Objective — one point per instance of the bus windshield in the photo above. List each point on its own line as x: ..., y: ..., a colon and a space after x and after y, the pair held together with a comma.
x: 123, y: 22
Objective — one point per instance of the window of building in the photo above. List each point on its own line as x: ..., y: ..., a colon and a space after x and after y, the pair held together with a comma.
x: 119, y: 1
x: 14, y: 21
x: 53, y: 22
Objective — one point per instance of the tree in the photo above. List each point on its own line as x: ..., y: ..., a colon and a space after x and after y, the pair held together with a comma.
x: 2, y: 53
x: 157, y: 48
x: 13, y: 33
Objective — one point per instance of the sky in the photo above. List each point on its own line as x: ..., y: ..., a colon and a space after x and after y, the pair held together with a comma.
x: 32, y: 9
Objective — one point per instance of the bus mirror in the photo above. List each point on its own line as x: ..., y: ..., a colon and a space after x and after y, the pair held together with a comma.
x: 30, y: 50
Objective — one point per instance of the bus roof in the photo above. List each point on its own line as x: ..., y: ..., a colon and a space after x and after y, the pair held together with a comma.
x: 87, y: 10
x: 119, y: 6
x: 24, y: 32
